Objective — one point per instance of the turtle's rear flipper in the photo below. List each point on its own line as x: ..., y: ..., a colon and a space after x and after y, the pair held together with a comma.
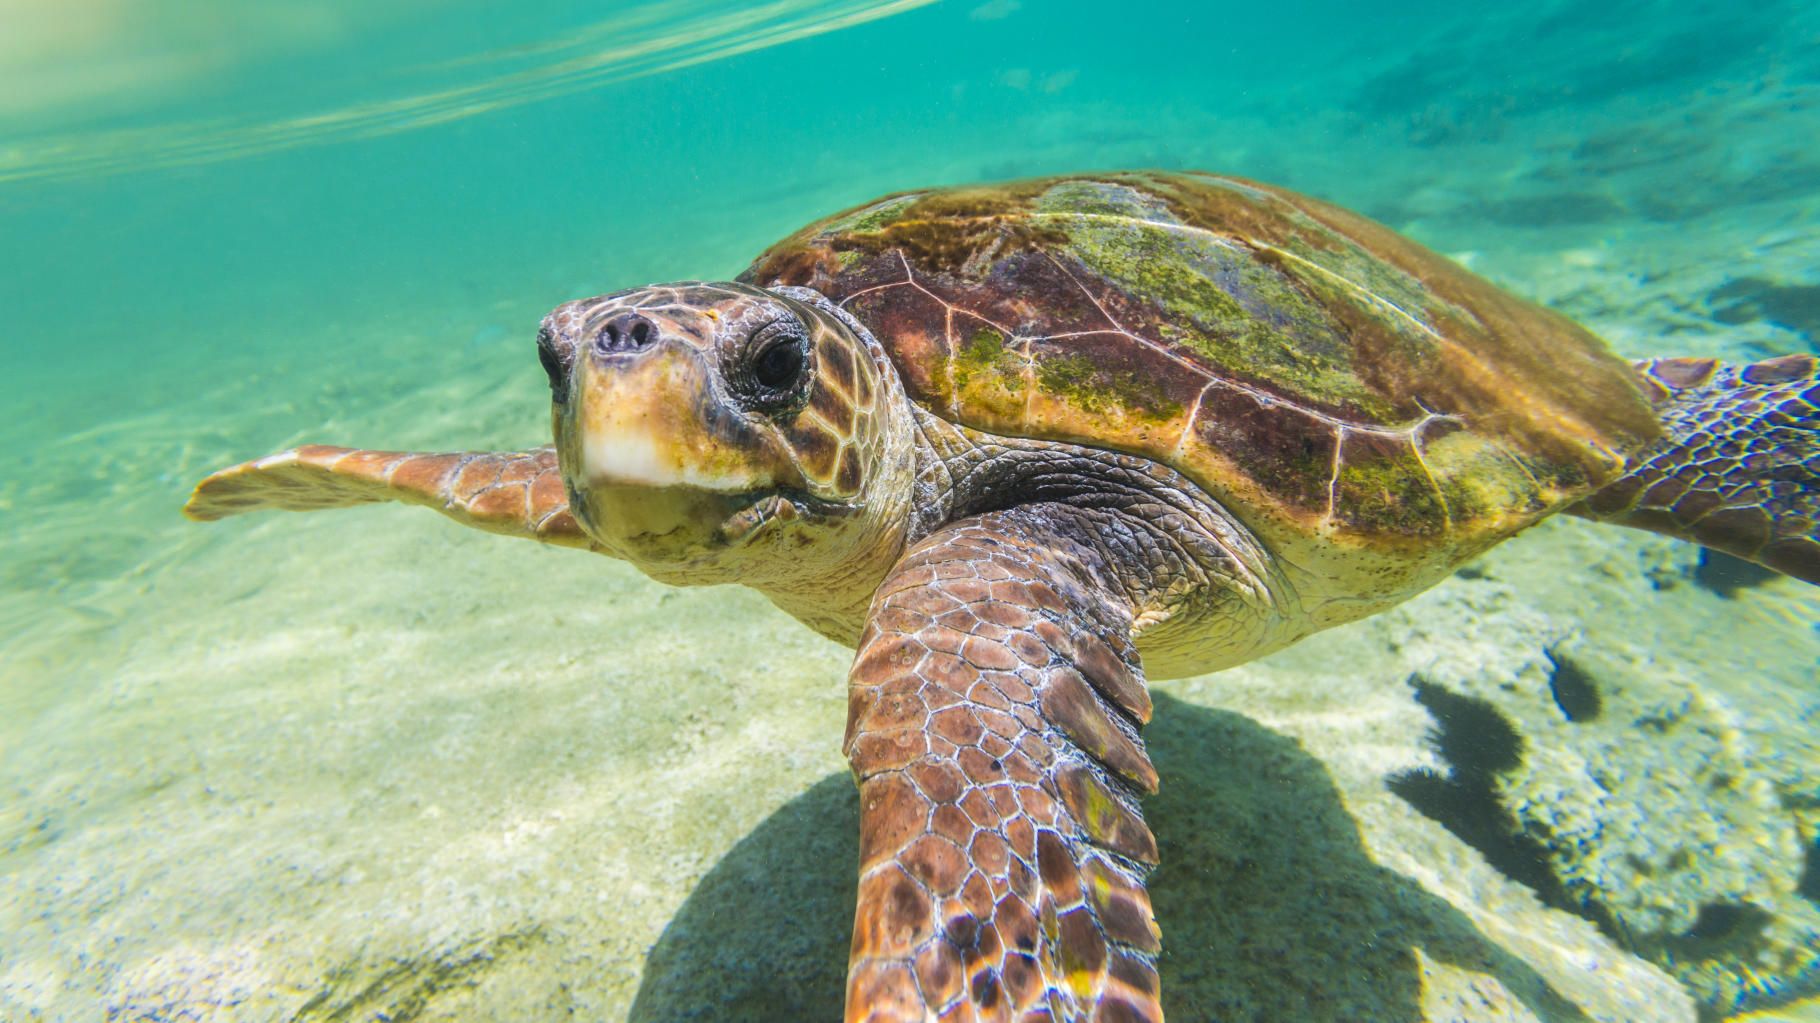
x: 515, y: 493
x: 1738, y: 466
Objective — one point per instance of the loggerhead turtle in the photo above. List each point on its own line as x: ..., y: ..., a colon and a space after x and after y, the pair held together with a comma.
x: 1024, y: 445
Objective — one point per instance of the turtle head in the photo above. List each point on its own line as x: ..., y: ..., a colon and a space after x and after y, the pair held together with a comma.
x: 722, y: 433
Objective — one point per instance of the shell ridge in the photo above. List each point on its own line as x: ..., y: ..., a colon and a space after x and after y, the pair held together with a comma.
x: 1091, y: 297
x: 1478, y: 366
x: 1187, y: 434
x: 1264, y: 398
x: 1350, y: 384
x: 1333, y: 478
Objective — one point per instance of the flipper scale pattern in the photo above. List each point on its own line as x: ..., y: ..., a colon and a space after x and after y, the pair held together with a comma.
x: 1002, y: 852
x: 516, y: 493
x: 1738, y: 466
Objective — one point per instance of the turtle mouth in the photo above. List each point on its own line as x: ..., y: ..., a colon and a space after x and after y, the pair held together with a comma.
x: 776, y: 506
x: 678, y: 526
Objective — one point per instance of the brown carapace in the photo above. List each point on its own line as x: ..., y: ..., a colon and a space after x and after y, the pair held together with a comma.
x: 1019, y: 443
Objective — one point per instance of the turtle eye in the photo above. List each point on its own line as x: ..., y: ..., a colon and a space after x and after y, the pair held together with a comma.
x: 774, y: 372
x: 554, y: 365
x: 780, y: 366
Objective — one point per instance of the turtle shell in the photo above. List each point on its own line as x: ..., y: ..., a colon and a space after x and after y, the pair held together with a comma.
x: 1321, y: 375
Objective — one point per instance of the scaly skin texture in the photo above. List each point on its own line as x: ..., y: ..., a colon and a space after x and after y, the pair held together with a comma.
x: 805, y: 503
x: 1211, y: 594
x: 512, y: 493
x: 822, y: 447
x: 1097, y: 426
x: 993, y: 728
x: 1738, y: 469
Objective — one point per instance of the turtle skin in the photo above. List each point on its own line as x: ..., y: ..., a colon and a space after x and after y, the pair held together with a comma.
x: 517, y: 493
x: 1141, y: 406
x: 992, y: 725
x: 1738, y: 470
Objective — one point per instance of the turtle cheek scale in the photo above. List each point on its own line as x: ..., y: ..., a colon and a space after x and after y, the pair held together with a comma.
x: 837, y: 438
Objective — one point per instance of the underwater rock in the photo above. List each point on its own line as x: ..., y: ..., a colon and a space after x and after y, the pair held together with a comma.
x: 1304, y: 848
x: 1642, y: 799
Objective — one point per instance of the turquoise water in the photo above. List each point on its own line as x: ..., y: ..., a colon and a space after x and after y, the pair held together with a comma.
x: 292, y: 767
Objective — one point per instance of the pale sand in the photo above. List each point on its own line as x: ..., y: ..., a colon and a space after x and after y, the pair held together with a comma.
x: 324, y: 767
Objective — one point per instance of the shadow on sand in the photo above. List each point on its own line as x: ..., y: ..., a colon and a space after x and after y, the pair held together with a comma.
x: 1269, y: 906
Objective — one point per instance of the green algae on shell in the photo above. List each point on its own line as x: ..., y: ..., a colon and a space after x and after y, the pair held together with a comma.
x: 1329, y: 381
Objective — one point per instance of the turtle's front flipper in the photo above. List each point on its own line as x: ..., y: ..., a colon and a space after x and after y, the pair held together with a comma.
x: 515, y: 493
x: 1738, y: 467
x: 993, y: 729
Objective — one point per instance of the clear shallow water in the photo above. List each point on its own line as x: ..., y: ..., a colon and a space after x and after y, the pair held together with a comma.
x: 233, y: 230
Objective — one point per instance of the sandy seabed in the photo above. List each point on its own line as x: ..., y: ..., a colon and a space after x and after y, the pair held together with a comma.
x: 339, y: 766
x: 369, y: 765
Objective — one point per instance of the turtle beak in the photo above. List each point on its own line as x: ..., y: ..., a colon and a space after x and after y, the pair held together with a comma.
x: 656, y: 460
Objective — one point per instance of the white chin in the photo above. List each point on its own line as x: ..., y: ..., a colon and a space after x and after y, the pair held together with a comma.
x: 632, y: 459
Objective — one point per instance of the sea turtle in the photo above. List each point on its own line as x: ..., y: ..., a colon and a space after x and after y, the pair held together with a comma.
x: 1023, y: 445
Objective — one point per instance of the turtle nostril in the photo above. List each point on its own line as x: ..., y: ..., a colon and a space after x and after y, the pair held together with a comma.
x: 629, y: 332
